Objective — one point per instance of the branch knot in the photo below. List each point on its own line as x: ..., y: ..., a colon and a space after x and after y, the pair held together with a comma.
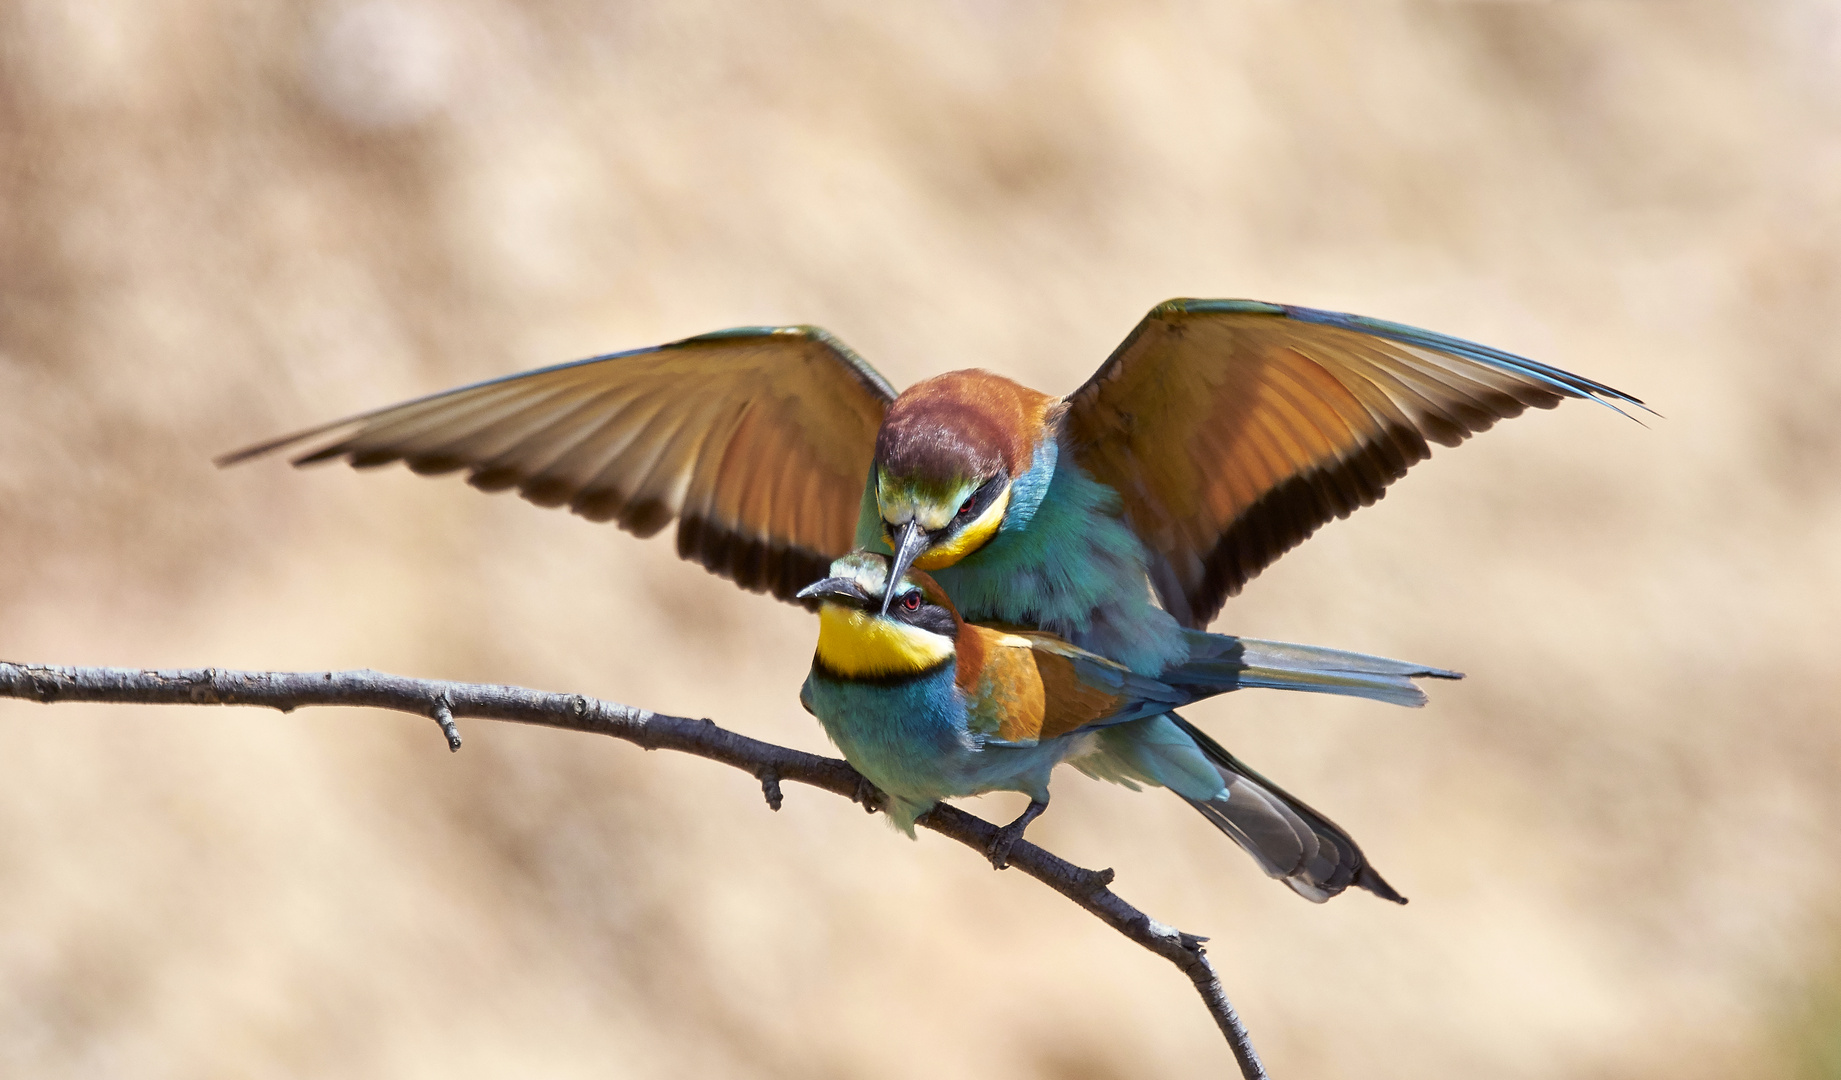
x: 444, y: 715
x: 770, y: 786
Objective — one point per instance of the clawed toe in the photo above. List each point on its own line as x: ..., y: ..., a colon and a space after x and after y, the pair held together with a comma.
x: 868, y: 795
x: 999, y: 851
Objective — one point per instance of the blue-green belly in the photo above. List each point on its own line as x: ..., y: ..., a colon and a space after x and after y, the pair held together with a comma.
x: 910, y: 739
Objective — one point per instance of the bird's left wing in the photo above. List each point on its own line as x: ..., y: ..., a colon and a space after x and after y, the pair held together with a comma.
x: 1232, y: 429
x: 1035, y: 686
x: 758, y: 440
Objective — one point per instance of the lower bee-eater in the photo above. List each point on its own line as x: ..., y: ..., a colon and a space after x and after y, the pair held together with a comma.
x: 928, y: 707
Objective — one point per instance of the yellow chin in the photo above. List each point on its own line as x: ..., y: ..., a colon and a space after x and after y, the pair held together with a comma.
x: 859, y: 645
x: 968, y: 539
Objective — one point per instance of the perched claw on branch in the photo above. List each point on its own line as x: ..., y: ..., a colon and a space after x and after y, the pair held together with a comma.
x: 868, y: 795
x: 999, y: 851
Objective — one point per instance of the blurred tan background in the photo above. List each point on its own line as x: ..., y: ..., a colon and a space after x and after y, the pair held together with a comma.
x: 223, y: 220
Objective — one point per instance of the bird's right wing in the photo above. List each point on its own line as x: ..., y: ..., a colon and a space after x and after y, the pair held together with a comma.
x: 758, y: 440
x: 1232, y: 429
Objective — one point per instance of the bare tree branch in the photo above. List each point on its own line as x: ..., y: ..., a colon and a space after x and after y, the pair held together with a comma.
x: 770, y: 764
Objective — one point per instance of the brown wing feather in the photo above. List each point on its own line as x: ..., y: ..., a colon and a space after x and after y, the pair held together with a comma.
x: 1025, y: 687
x: 1014, y: 692
x: 1072, y: 703
x: 757, y: 441
x: 1233, y: 429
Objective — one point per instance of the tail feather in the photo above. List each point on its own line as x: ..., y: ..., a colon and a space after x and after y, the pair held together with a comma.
x: 1219, y: 662
x: 1288, y: 839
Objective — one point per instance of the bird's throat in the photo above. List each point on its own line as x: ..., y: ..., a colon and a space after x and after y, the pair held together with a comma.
x: 859, y: 645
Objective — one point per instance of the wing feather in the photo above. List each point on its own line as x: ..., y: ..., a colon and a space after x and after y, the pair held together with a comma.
x: 756, y: 440
x: 1032, y: 686
x: 503, y: 431
x: 394, y: 436
x: 545, y: 448
x: 584, y: 455
x: 616, y: 492
x: 658, y: 494
x: 1233, y: 429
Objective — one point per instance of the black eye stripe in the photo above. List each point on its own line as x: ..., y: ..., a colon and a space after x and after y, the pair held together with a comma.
x: 979, y: 500
x: 926, y: 616
x: 933, y: 618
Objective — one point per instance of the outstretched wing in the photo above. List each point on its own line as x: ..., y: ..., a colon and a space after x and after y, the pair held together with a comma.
x: 1232, y: 429
x: 758, y: 440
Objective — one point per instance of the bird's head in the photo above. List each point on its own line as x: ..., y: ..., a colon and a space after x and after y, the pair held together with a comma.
x: 868, y: 630
x: 946, y: 456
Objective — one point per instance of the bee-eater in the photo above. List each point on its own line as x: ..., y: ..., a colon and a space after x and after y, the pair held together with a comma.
x: 928, y: 707
x: 1217, y: 436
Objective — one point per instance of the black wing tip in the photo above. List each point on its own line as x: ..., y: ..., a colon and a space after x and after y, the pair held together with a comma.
x: 1367, y: 878
x: 238, y: 457
x: 263, y: 449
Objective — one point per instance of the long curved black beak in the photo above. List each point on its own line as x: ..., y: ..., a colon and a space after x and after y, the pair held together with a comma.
x: 839, y: 589
x: 908, y: 546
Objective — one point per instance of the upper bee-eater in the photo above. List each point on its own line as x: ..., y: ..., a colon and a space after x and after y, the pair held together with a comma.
x: 1217, y: 436
x: 928, y: 707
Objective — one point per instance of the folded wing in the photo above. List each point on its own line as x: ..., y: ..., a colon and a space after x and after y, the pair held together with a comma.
x: 1032, y: 686
x: 756, y: 440
x: 1233, y: 429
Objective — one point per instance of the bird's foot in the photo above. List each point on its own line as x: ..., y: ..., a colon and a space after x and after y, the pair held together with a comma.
x: 869, y: 795
x: 1011, y: 833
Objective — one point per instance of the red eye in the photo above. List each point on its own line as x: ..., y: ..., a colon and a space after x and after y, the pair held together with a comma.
x: 966, y: 508
x: 911, y: 602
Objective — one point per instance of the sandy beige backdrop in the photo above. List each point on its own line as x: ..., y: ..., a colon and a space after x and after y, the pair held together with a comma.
x: 220, y: 220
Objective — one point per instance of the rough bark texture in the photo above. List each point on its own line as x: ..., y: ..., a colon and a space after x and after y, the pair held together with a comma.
x: 445, y: 702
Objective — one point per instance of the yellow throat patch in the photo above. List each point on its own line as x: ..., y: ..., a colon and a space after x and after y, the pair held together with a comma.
x: 857, y: 644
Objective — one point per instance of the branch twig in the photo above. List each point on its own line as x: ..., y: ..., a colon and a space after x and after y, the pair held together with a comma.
x: 768, y: 762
